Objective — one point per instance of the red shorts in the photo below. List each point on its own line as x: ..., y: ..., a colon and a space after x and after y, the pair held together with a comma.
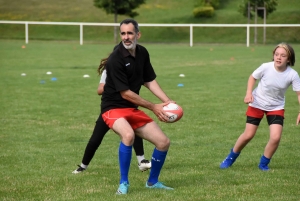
x: 258, y: 113
x: 136, y: 118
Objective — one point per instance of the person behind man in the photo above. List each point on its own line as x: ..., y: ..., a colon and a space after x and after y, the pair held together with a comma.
x: 128, y: 68
x: 101, y: 129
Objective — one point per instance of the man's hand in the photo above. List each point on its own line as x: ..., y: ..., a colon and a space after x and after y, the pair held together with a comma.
x: 159, y: 111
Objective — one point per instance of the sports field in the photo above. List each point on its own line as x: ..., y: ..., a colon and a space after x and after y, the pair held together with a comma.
x: 46, y: 121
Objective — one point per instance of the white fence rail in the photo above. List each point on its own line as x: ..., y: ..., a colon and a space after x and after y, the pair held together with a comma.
x: 191, y: 26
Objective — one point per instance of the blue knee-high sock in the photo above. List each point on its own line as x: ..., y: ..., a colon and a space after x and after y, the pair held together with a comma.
x: 124, y: 161
x: 157, y: 161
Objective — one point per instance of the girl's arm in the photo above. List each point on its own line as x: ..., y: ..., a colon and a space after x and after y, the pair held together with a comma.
x: 251, y: 82
x: 298, y: 118
x: 100, y: 88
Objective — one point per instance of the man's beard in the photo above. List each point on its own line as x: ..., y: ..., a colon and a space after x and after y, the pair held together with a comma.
x: 131, y: 46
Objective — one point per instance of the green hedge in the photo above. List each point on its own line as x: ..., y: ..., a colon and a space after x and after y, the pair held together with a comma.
x: 206, y: 11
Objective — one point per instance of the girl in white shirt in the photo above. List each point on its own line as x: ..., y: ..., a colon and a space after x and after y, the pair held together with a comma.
x: 267, y: 98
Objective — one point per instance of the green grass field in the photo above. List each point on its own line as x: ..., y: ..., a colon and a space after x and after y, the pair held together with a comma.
x: 154, y: 11
x: 44, y: 127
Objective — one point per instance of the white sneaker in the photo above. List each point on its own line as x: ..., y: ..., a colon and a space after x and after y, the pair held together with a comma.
x: 144, y: 165
x: 78, y: 170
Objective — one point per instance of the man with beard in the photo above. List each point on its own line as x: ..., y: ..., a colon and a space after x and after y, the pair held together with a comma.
x: 128, y: 68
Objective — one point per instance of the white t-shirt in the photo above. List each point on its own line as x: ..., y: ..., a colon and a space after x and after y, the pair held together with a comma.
x: 269, y: 95
x: 103, y: 76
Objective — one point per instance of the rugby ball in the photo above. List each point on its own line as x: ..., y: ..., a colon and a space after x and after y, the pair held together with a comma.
x: 174, y: 111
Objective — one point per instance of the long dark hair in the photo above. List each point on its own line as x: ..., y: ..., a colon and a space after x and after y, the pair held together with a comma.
x: 101, y: 67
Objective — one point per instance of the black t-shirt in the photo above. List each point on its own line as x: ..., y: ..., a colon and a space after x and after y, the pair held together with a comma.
x: 125, y: 72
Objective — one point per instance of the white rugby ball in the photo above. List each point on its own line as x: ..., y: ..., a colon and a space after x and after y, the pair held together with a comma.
x: 174, y: 111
